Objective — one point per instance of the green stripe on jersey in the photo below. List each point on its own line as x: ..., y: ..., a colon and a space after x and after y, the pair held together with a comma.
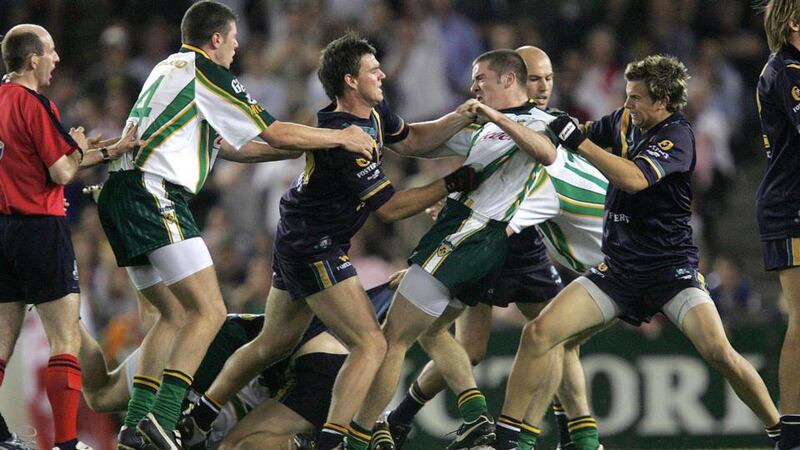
x: 179, y: 122
x: 184, y: 97
x: 556, y: 236
x: 600, y: 182
x: 204, y: 154
x: 578, y: 193
x: 532, y: 185
x: 251, y: 111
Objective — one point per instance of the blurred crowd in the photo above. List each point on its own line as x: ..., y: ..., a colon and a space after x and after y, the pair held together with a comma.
x: 426, y: 47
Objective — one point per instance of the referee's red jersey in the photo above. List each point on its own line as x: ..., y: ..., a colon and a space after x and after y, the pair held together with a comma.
x: 31, y: 140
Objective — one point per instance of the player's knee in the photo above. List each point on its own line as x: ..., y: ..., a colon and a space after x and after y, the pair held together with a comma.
x: 374, y: 345
x: 720, y: 355
x: 535, y: 339
x: 476, y: 354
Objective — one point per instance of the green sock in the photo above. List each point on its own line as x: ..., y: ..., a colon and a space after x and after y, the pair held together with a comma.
x: 357, y: 437
x: 143, y: 395
x: 167, y: 407
x: 528, y: 435
x: 583, y: 431
x: 472, y: 404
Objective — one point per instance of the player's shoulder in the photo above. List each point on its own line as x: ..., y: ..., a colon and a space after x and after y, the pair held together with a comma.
x: 677, y: 131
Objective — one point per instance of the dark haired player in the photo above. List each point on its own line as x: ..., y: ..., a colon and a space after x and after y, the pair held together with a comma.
x: 320, y: 213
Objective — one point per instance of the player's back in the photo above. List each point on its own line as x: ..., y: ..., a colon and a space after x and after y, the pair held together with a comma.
x: 575, y: 235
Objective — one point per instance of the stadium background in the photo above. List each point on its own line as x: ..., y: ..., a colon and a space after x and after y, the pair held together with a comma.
x: 649, y: 388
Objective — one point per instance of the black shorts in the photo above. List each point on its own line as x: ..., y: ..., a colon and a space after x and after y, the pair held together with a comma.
x: 303, y: 278
x: 37, y: 262
x: 530, y: 286
x: 781, y: 254
x: 641, y: 296
x: 311, y: 386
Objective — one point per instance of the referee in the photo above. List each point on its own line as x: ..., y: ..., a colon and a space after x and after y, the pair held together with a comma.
x: 37, y: 262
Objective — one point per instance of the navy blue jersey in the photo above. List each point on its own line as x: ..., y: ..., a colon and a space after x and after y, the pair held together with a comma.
x: 778, y: 100
x: 526, y: 252
x: 650, y: 229
x: 338, y: 189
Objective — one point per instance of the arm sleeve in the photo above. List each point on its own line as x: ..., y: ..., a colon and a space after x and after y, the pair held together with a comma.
x: 50, y: 138
x: 393, y: 127
x: 671, y: 151
x: 603, y: 131
x: 540, y: 205
x: 224, y: 103
x: 365, y: 178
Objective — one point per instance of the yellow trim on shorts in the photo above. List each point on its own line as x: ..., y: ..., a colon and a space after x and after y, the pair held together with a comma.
x: 319, y: 266
x: 795, y: 243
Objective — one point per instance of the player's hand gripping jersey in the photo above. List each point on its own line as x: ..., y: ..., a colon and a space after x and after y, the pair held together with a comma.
x: 565, y: 200
x: 187, y: 102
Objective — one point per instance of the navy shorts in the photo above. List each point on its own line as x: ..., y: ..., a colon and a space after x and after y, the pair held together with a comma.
x: 302, y: 278
x: 311, y: 386
x: 527, y: 286
x: 781, y: 254
x: 640, y: 296
x: 37, y: 262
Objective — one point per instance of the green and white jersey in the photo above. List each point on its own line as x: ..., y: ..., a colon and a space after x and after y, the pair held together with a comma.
x: 509, y: 172
x: 187, y: 103
x: 566, y: 204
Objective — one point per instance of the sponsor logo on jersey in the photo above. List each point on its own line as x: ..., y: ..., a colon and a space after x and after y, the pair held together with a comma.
x: 665, y: 145
x: 796, y: 93
x: 497, y: 136
x: 2, y: 149
x: 363, y: 162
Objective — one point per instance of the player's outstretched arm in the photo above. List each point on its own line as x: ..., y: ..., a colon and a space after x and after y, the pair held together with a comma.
x: 532, y: 142
x: 288, y: 135
x: 91, y: 152
x: 256, y: 152
x: 425, y: 138
x: 407, y: 203
x: 621, y: 172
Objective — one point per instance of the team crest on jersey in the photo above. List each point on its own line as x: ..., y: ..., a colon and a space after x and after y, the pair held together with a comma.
x: 181, y: 64
x: 445, y: 248
x: 796, y: 93
x: 169, y: 215
x: 602, y: 267
x: 2, y: 149
x: 665, y: 145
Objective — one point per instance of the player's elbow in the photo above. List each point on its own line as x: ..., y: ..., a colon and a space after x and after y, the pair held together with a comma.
x: 62, y: 176
x: 633, y: 186
x: 388, y: 214
x: 279, y: 135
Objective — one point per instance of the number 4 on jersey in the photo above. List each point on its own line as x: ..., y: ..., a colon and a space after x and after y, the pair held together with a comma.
x: 141, y: 108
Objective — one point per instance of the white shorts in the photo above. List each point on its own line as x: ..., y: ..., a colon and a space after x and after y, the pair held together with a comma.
x: 425, y: 292
x: 171, y: 263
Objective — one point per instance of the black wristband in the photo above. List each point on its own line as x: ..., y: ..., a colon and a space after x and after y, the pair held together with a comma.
x: 104, y: 152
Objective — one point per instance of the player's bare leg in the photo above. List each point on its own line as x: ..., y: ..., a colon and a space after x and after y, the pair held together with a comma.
x: 572, y: 312
x: 104, y: 391
x: 703, y: 326
x: 790, y: 359
x: 347, y: 311
x: 285, y: 322
x: 12, y: 316
x: 269, y: 426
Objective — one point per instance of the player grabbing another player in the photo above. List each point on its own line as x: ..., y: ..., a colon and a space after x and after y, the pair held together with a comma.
x: 650, y: 261
x: 322, y: 210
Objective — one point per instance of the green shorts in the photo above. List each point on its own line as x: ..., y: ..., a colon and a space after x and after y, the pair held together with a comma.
x: 461, y: 249
x: 141, y: 212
